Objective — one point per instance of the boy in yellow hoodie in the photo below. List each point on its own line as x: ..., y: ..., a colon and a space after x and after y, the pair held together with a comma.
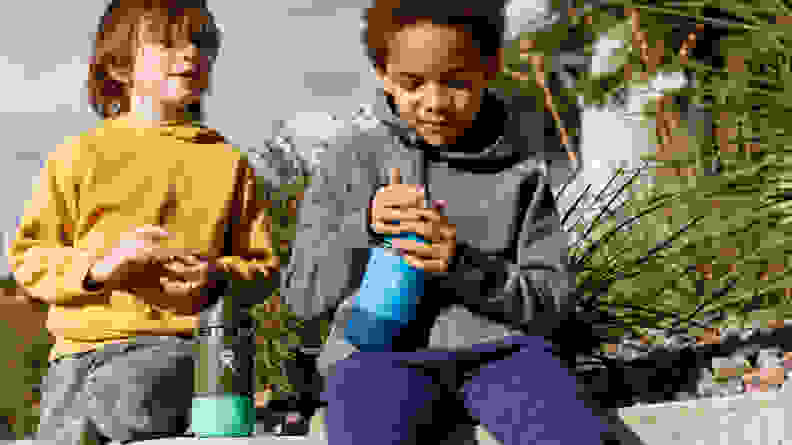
x: 127, y: 226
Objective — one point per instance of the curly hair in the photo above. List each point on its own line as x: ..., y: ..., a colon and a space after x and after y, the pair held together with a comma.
x: 484, y: 20
x: 120, y: 28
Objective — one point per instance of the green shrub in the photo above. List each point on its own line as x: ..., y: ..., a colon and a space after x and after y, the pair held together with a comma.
x: 279, y: 342
x: 29, y: 367
x: 650, y: 276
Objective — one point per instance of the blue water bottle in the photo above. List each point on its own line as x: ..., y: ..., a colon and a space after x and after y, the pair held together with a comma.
x: 387, y: 300
x: 388, y: 296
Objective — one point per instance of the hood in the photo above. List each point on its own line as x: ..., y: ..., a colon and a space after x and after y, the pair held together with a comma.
x: 188, y: 131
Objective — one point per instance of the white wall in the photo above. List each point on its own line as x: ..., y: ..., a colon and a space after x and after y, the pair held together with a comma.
x: 615, y: 135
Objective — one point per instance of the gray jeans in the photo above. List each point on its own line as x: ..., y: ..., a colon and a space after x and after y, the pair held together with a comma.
x: 120, y: 392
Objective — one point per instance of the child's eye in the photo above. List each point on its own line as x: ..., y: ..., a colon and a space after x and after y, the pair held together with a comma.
x: 166, y: 42
x: 410, y: 84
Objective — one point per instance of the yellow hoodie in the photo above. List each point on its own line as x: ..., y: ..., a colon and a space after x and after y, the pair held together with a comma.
x: 111, y: 180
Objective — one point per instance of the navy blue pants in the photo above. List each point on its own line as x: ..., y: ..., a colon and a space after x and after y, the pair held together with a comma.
x: 526, y: 397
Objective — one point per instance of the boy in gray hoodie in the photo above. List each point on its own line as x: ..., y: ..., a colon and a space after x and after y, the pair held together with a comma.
x: 497, y: 284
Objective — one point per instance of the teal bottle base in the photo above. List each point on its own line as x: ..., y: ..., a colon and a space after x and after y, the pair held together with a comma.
x: 231, y: 415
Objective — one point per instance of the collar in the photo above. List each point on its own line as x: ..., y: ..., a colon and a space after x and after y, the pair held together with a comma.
x: 187, y: 130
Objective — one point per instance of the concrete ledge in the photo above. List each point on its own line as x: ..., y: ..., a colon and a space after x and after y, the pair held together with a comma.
x: 465, y: 436
x: 751, y: 418
x: 745, y: 419
x: 256, y: 440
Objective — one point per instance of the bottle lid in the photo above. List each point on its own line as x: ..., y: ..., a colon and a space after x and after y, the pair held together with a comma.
x: 225, y: 313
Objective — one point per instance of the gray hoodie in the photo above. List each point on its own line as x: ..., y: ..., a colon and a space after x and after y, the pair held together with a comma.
x: 511, y: 273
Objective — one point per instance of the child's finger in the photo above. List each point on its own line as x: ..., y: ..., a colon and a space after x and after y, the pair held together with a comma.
x: 396, y: 214
x: 153, y: 232
x: 182, y: 268
x: 428, y: 265
x: 190, y: 260
x: 164, y: 255
x: 390, y: 229
x: 184, y: 272
x: 395, y: 176
x: 175, y: 288
x: 179, y: 288
x: 400, y: 195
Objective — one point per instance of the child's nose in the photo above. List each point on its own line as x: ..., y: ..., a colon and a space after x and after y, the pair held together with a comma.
x: 436, y: 98
x: 189, y: 52
x: 187, y: 65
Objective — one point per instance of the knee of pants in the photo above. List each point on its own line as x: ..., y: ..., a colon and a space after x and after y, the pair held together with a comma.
x: 362, y: 378
x: 531, y: 395
x: 141, y: 400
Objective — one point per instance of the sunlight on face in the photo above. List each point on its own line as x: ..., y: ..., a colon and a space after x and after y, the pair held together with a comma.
x: 436, y: 76
x: 171, y: 73
x: 168, y: 73
x: 159, y: 74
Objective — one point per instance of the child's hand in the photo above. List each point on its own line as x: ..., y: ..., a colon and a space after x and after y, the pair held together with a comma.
x: 391, y: 202
x: 188, y: 275
x: 136, y: 260
x: 435, y: 228
x: 402, y: 203
x: 181, y: 283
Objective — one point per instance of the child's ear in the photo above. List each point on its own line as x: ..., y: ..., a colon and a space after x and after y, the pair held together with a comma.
x: 118, y: 74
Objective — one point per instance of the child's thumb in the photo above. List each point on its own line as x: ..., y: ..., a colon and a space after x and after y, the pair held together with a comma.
x: 395, y: 175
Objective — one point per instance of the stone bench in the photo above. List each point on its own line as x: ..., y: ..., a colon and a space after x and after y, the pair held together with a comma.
x: 465, y: 436
x: 745, y: 419
x: 756, y: 418
x: 315, y: 437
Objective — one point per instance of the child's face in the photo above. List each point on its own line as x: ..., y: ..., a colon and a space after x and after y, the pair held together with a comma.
x: 172, y: 77
x: 166, y: 76
x: 436, y: 75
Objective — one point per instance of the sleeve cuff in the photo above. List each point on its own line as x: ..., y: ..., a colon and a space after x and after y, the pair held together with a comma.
x: 90, y: 285
x: 455, y: 260
x: 85, y: 285
x: 374, y: 236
